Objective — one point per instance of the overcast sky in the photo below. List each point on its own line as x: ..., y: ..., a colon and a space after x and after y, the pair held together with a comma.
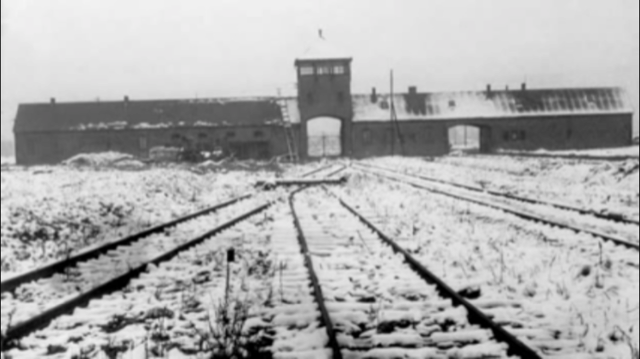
x: 86, y: 49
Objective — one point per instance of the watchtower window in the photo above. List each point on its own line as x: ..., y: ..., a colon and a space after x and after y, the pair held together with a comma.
x: 339, y: 70
x: 324, y: 70
x: 307, y: 71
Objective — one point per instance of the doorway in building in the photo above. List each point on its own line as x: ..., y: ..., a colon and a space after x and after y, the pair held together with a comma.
x: 324, y: 136
x: 470, y: 139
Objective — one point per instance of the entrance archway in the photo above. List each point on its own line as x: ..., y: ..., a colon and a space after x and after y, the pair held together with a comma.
x: 470, y: 139
x: 324, y: 136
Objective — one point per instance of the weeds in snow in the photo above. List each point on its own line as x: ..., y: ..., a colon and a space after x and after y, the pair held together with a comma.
x: 227, y: 337
x: 373, y: 314
x: 628, y: 339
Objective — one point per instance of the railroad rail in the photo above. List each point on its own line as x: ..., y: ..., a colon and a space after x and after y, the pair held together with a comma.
x: 618, y: 218
x: 60, y: 266
x: 565, y: 157
x: 432, y: 187
x: 328, y: 180
x: 326, y: 284
x: 317, y: 289
x: 57, y: 267
x: 15, y: 332
x: 344, y: 260
x: 100, y: 255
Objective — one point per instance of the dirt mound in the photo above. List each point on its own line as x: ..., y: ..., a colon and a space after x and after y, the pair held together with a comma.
x: 104, y: 159
x: 8, y: 161
x: 236, y: 165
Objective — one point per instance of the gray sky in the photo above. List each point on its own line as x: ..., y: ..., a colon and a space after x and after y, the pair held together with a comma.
x: 84, y: 49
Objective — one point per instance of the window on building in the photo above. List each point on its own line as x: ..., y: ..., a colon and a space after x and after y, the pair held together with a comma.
x: 339, y: 70
x: 231, y: 134
x: 366, y: 137
x: 384, y: 105
x: 452, y: 104
x: 307, y: 70
x: 202, y: 136
x: 258, y: 134
x: 324, y: 70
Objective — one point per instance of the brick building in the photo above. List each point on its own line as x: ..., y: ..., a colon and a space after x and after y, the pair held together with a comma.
x: 522, y: 119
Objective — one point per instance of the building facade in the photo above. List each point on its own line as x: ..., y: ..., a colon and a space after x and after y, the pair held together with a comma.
x: 522, y: 119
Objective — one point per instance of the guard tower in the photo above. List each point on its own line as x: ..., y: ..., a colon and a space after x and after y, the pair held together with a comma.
x: 324, y: 91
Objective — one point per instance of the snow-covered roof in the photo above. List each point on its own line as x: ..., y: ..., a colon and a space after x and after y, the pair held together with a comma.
x: 270, y: 110
x: 494, y: 104
x: 147, y: 114
x: 323, y: 50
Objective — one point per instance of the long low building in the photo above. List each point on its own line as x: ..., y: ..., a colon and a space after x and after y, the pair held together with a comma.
x: 326, y: 119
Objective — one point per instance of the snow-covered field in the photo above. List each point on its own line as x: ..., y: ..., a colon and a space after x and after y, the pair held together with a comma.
x: 48, y: 212
x: 548, y: 280
x: 631, y: 151
x: 599, y: 186
x: 563, y: 293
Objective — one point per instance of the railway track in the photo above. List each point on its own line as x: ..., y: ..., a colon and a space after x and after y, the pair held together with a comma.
x: 32, y: 300
x: 312, y: 278
x: 381, y: 301
x: 609, y: 216
x: 566, y: 157
x: 622, y: 234
x: 508, y: 273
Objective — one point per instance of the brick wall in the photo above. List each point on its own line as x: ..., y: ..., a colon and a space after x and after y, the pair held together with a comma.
x: 421, y: 138
x: 55, y: 147
x: 555, y: 133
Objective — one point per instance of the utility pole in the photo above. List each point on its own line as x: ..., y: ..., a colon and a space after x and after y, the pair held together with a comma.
x: 395, y: 126
x: 392, y: 110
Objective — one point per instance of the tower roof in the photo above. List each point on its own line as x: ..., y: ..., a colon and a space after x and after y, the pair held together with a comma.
x: 323, y: 50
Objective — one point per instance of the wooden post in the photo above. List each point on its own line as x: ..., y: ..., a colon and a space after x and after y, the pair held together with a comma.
x: 231, y: 257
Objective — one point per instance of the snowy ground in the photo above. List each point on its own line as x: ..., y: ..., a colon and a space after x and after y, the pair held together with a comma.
x: 560, y: 292
x: 599, y: 186
x: 631, y: 151
x: 8, y: 161
x: 49, y: 211
x: 550, y: 280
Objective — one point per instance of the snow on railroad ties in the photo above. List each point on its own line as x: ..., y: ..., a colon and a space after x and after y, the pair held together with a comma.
x: 379, y: 306
x: 177, y: 308
x: 608, y: 187
x: 48, y: 211
x: 556, y: 280
x: 33, y: 298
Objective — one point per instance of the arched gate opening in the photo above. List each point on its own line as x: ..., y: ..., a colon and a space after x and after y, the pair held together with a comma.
x: 324, y: 135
